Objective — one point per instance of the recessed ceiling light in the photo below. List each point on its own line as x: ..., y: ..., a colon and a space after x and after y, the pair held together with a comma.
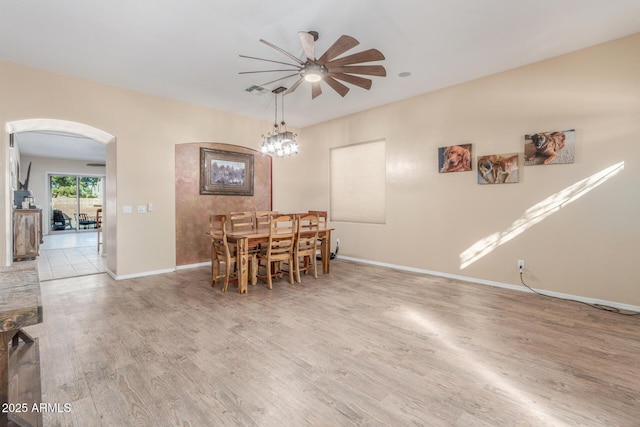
x: 404, y: 74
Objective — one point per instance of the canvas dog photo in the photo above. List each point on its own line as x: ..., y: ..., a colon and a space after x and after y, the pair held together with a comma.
x: 546, y: 148
x: 498, y: 169
x: 454, y: 158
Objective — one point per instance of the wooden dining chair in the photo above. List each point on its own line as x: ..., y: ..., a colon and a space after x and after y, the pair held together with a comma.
x: 322, y: 224
x: 221, y: 251
x: 262, y: 218
x: 241, y: 221
x: 279, y: 248
x: 306, y: 245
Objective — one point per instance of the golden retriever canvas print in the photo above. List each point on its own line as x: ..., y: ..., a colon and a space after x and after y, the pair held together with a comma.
x: 498, y: 169
x: 546, y: 148
x: 454, y: 158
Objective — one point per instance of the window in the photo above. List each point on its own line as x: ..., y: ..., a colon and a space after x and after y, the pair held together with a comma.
x: 358, y: 183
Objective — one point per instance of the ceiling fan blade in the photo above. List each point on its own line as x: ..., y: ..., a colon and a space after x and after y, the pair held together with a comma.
x: 268, y: 60
x: 282, y: 51
x: 265, y: 71
x: 316, y: 90
x: 277, y: 80
x: 368, y: 70
x: 355, y: 80
x: 364, y: 56
x: 340, y: 46
x: 336, y: 85
x: 308, y: 41
x: 295, y: 86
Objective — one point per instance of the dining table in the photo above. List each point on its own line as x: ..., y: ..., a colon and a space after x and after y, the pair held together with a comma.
x: 247, y: 239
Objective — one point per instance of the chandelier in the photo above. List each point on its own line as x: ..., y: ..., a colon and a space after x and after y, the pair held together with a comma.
x: 279, y: 141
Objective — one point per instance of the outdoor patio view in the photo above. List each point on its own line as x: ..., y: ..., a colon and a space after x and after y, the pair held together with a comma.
x: 74, y: 201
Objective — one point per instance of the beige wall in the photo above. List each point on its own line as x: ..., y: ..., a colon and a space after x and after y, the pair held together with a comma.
x: 588, y: 247
x: 193, y: 209
x: 141, y: 161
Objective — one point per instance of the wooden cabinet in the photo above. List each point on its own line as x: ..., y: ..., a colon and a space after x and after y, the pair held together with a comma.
x: 27, y: 233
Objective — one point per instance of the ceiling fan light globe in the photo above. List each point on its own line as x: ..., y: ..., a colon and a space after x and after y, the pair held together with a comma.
x: 313, y: 76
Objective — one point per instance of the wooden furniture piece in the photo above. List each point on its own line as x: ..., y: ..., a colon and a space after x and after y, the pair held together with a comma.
x: 325, y: 240
x: 221, y: 251
x: 27, y: 233
x: 262, y: 218
x: 60, y: 220
x: 20, y: 306
x: 306, y: 244
x: 241, y: 221
x: 99, y: 226
x: 247, y: 239
x: 84, y: 221
x: 279, y: 247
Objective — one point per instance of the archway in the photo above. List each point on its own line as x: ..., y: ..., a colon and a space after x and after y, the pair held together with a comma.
x: 70, y: 127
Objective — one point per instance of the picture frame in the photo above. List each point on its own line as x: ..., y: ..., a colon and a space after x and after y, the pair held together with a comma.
x: 225, y: 173
x: 455, y: 158
x: 498, y: 168
x: 548, y: 148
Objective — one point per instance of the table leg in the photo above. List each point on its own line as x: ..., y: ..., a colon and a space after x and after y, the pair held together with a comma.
x: 243, y: 265
x: 326, y: 253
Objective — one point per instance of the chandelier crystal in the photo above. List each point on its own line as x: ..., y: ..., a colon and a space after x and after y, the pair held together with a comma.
x: 279, y: 141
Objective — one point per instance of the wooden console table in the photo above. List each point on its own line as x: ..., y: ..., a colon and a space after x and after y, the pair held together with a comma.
x: 20, y: 306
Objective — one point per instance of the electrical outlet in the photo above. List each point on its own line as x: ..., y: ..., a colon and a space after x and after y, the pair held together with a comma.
x: 520, y: 264
x: 338, y: 240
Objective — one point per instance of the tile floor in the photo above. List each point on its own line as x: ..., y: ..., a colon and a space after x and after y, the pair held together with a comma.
x: 69, y: 255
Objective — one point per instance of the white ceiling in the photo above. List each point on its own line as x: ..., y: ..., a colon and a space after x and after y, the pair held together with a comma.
x: 188, y: 50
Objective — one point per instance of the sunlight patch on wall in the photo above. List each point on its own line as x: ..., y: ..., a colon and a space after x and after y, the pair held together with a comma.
x: 536, y: 214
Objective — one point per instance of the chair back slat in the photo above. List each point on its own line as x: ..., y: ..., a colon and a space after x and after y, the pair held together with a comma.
x: 281, y: 237
x: 322, y: 218
x: 262, y: 219
x: 241, y: 221
x: 307, y: 233
x: 218, y: 232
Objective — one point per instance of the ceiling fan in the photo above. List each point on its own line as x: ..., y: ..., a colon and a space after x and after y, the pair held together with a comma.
x: 328, y: 68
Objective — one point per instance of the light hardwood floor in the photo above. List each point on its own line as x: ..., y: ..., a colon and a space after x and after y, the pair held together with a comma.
x: 364, y: 345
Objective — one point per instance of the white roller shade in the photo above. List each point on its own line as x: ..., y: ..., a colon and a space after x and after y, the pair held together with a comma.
x: 358, y: 183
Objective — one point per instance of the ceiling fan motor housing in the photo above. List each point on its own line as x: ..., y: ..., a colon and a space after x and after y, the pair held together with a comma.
x: 313, y: 72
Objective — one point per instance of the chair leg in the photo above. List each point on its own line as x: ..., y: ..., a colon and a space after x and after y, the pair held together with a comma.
x: 269, y: 281
x: 215, y: 272
x: 227, y: 273
x: 314, y: 266
x: 296, y: 261
x: 291, y: 272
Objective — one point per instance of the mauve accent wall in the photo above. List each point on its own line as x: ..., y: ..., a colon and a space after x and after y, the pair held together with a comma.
x: 193, y: 210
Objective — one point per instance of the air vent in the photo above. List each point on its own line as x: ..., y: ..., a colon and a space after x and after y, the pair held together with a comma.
x: 257, y: 90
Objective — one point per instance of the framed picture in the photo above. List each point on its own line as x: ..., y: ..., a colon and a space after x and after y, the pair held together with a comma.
x: 498, y: 168
x: 454, y: 158
x: 546, y: 148
x: 226, y: 172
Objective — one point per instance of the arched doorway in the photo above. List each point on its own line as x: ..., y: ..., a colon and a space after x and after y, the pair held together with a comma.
x: 15, y: 128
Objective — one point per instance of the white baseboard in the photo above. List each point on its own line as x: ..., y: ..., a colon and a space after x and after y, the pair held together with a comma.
x: 143, y: 274
x: 520, y: 288
x: 188, y: 266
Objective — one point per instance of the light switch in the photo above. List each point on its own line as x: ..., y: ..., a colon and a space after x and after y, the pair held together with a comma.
x: 126, y: 209
x: 150, y: 207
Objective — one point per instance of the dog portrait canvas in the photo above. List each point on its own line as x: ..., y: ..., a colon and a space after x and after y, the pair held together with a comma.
x: 454, y: 158
x: 498, y: 169
x: 546, y: 148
